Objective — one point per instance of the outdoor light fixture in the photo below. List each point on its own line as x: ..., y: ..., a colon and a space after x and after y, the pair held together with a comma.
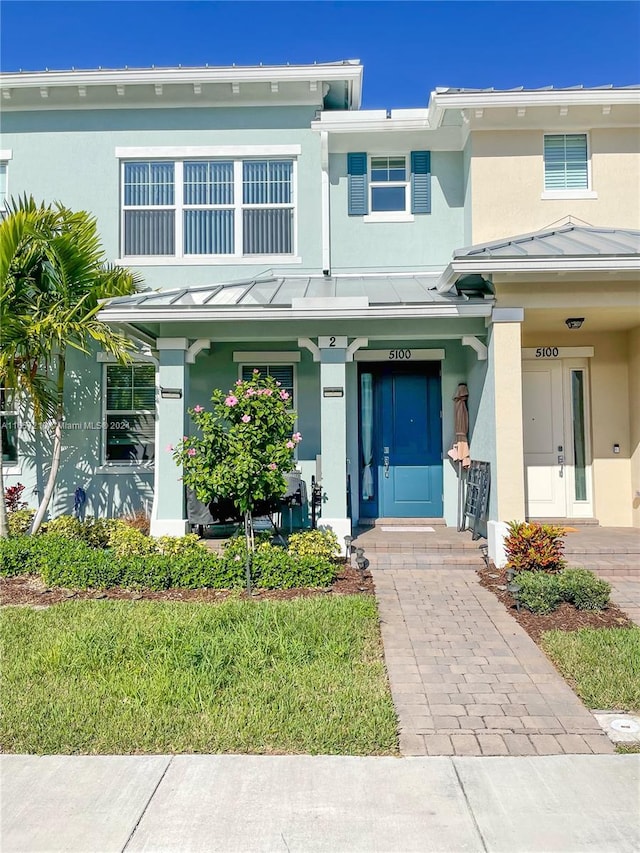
x: 574, y: 322
x: 484, y: 551
x: 514, y: 589
x: 347, y: 541
x: 171, y: 393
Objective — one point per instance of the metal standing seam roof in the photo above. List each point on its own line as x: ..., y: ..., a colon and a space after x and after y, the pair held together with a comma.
x: 279, y: 292
x: 444, y: 90
x: 563, y: 241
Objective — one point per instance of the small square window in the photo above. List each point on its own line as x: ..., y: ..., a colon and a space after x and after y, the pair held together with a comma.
x: 389, y: 185
x: 9, y: 427
x: 282, y: 373
x: 566, y: 164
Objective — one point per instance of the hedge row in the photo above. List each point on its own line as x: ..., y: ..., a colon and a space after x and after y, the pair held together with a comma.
x: 73, y: 563
x: 542, y: 593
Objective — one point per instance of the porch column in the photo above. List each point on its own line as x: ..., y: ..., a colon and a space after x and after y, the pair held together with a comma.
x: 333, y: 439
x: 168, y: 516
x: 507, y: 475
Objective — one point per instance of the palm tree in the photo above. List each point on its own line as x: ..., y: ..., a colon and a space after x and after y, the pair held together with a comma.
x: 56, y: 280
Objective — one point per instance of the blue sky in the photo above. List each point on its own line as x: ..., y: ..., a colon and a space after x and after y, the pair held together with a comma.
x: 407, y: 48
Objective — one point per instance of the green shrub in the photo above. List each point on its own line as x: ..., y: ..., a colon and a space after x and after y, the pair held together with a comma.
x: 20, y: 521
x: 19, y: 556
x: 73, y: 563
x: 533, y: 547
x: 584, y: 590
x: 65, y: 525
x: 275, y: 568
x: 126, y: 541
x: 97, y: 532
x: 539, y: 592
x: 176, y: 545
x: 315, y: 543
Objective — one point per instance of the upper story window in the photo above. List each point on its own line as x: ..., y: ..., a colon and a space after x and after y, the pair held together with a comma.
x: 130, y: 404
x: 9, y: 427
x: 566, y: 162
x: 388, y: 184
x: 208, y: 208
x: 388, y: 188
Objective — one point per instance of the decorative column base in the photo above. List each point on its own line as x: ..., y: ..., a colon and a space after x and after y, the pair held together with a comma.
x: 497, y: 532
x: 169, y: 526
x: 340, y: 526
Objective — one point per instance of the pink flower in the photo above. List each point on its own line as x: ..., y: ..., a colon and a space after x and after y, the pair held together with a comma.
x: 267, y: 392
x: 197, y: 409
x: 169, y: 448
x: 184, y: 438
x: 238, y: 381
x: 191, y: 451
x: 250, y: 392
x: 231, y: 400
x: 290, y: 445
x: 273, y: 466
x: 255, y: 370
x: 245, y: 419
x: 297, y: 437
x: 284, y: 395
x: 278, y: 384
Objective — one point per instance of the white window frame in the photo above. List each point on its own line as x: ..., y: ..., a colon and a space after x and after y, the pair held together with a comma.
x: 206, y: 154
x: 121, y: 465
x: 587, y: 193
x: 389, y: 215
x: 11, y: 466
x: 6, y: 154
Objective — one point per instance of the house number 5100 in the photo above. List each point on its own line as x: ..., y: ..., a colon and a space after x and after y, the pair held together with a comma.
x: 399, y: 354
x: 547, y: 352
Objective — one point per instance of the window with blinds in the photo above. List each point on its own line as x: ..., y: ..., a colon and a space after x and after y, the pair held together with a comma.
x: 282, y: 373
x: 566, y: 164
x: 8, y: 428
x: 208, y: 208
x: 130, y: 413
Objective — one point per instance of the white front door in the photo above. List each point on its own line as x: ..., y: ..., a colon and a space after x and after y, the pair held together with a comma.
x: 556, y: 452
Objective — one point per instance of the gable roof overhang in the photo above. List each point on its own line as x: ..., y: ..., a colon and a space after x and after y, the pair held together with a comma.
x: 567, y: 248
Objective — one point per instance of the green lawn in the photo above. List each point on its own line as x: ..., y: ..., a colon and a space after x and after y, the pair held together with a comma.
x: 299, y: 676
x: 602, y: 664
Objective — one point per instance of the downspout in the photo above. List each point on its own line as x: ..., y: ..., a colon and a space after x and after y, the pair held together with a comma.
x: 326, y: 200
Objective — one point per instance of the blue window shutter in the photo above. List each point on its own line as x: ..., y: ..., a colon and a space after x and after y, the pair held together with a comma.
x: 357, y: 190
x: 420, y: 182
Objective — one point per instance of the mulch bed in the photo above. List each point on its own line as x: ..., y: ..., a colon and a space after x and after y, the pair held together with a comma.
x: 29, y: 590
x: 565, y: 618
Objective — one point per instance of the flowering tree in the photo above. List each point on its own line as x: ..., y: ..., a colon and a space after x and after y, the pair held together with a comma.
x: 245, y: 446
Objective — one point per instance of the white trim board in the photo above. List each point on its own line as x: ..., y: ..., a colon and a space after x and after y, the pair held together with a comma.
x: 399, y: 355
x: 209, y: 151
x: 551, y: 353
x: 277, y: 357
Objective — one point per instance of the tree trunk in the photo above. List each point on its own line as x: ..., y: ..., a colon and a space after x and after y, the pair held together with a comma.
x: 248, y: 530
x: 56, y: 451
x: 4, y: 522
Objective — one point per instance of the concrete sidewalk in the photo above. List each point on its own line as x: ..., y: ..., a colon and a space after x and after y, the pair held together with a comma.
x: 303, y: 804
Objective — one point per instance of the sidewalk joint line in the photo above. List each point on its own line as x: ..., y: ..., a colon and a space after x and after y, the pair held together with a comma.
x: 466, y: 799
x: 147, y: 804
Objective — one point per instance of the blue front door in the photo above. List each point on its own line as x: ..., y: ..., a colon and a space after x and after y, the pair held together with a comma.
x: 406, y: 442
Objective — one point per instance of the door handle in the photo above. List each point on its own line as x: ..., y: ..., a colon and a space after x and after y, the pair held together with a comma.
x: 561, y: 464
x: 386, y: 467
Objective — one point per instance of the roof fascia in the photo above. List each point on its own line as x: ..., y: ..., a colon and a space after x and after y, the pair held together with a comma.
x: 260, y: 314
x: 439, y: 102
x: 606, y: 263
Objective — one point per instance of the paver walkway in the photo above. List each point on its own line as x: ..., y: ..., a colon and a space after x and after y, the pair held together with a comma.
x: 466, y: 679
x: 625, y: 591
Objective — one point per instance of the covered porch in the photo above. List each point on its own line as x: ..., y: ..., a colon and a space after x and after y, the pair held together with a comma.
x: 323, y: 335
